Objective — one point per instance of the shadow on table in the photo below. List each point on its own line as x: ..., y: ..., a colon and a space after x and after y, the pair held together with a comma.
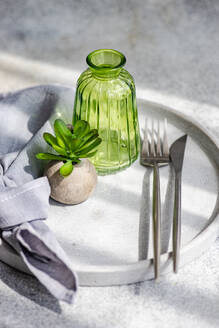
x: 181, y: 297
x: 29, y: 287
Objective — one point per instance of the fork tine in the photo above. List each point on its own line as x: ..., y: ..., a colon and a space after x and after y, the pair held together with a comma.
x: 152, y: 139
x: 165, y: 141
x: 159, y: 153
x: 145, y: 144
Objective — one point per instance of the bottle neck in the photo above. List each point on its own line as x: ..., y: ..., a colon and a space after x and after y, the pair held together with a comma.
x: 105, y: 74
x: 105, y: 64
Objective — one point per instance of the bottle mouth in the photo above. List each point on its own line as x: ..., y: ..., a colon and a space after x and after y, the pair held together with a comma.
x: 106, y: 59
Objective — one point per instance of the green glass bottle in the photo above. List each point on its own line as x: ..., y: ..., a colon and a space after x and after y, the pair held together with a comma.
x: 105, y: 97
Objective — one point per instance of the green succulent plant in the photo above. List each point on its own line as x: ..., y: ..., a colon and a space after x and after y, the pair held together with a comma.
x: 71, y: 144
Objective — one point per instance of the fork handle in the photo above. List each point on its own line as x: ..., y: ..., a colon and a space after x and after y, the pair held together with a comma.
x: 156, y: 219
x: 177, y: 223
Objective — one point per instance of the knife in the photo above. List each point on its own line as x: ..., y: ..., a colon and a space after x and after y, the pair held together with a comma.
x: 177, y: 151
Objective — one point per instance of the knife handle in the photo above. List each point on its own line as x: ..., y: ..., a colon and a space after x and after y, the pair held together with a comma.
x: 177, y: 223
x: 156, y: 220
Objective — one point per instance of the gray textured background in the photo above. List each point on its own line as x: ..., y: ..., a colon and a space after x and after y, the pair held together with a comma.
x: 172, y: 50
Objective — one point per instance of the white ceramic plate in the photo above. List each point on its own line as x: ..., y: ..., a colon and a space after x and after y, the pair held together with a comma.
x: 108, y: 237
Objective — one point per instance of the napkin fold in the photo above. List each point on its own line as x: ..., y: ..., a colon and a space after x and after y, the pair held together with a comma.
x: 24, y: 197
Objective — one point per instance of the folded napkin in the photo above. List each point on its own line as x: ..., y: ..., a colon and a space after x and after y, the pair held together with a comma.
x: 24, y: 195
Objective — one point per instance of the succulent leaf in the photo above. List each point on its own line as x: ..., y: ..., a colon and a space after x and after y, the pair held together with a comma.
x: 93, y: 134
x: 52, y: 141
x: 63, y: 134
x: 81, y: 128
x: 89, y: 154
x: 90, y: 147
x: 48, y: 156
x: 66, y: 169
x: 87, y: 142
x: 75, y: 143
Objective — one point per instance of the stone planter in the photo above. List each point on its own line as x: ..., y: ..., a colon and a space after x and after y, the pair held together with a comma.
x: 75, y: 188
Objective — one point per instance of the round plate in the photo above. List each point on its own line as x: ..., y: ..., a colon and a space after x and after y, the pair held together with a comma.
x: 109, y: 237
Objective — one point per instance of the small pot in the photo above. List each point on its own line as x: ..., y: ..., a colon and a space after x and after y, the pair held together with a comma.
x: 76, y: 187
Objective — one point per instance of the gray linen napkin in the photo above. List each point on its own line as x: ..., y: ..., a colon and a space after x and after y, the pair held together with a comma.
x: 24, y: 196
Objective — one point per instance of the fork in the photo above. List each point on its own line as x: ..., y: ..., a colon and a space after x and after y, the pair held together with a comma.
x: 155, y: 153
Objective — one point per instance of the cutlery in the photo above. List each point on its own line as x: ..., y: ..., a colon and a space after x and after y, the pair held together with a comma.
x: 177, y: 151
x: 155, y: 153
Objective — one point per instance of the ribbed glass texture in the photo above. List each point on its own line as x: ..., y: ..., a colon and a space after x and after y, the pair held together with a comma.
x: 105, y: 97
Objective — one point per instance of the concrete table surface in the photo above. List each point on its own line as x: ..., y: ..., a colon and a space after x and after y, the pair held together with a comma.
x: 172, y: 50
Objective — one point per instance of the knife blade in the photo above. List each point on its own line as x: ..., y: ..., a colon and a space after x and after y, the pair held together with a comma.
x: 177, y: 151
